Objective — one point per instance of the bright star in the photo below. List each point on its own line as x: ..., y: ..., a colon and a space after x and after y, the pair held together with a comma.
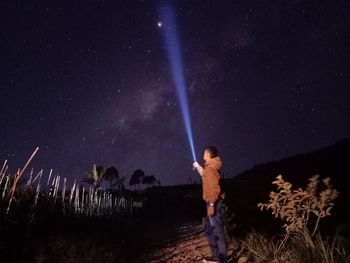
x: 159, y: 24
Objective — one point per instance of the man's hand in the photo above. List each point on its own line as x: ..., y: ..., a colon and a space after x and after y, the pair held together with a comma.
x: 211, y: 209
x: 197, y: 167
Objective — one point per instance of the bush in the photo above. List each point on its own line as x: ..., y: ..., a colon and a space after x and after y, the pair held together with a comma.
x: 301, y: 211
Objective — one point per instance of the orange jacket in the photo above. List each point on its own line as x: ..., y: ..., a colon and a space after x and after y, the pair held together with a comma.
x: 210, y: 180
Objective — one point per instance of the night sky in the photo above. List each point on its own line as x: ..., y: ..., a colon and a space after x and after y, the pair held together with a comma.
x: 90, y: 82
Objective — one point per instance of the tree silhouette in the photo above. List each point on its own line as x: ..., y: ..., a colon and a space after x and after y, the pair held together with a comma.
x: 136, y: 177
x: 112, y: 176
x: 95, y: 177
x: 149, y: 180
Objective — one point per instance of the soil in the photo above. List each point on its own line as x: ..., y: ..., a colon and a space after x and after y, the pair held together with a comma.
x: 190, y: 245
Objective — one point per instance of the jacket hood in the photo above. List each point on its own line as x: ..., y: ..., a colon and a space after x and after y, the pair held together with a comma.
x: 215, y: 162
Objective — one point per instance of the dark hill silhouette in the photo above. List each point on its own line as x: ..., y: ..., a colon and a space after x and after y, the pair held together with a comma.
x: 254, y: 185
x: 332, y: 161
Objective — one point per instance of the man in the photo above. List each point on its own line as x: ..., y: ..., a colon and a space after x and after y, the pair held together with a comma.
x: 212, y: 196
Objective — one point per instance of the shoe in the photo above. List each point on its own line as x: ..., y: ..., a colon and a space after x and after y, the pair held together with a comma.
x: 210, y: 260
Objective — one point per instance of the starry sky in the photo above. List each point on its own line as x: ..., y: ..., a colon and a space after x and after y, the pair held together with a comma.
x: 90, y: 82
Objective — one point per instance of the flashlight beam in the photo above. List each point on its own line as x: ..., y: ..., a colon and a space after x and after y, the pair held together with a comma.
x: 174, y: 54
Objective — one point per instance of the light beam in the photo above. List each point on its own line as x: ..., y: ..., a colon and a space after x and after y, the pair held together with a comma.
x: 174, y: 54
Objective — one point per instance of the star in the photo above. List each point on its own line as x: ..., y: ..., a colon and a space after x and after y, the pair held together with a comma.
x: 114, y: 100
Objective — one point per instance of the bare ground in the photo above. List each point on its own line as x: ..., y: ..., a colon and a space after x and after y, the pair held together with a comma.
x: 190, y: 245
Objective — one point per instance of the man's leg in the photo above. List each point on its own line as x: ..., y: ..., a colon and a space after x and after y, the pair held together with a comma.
x: 209, y: 230
x: 218, y: 233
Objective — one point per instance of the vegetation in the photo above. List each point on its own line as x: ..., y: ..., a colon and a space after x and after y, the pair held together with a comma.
x: 296, y: 207
x: 95, y: 177
x: 301, y: 211
x: 52, y: 219
x: 139, y: 177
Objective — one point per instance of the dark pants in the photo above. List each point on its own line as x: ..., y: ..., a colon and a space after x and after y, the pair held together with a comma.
x: 215, y: 231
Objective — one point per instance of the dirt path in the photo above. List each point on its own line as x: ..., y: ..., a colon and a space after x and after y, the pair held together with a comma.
x: 191, y: 245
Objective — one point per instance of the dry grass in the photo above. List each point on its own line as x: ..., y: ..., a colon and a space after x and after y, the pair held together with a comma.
x: 301, y: 210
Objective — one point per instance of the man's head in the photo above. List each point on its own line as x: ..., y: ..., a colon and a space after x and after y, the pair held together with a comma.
x: 210, y: 152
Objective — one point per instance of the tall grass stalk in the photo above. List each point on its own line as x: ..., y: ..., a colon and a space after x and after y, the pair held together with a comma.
x: 64, y: 189
x: 3, y: 167
x: 76, y: 200
x: 63, y: 195
x: 17, y: 177
x: 29, y: 182
x: 36, y: 198
x: 5, y: 186
x: 48, y: 180
x: 56, y: 186
x: 72, y: 192
x: 3, y: 171
x: 82, y: 199
x: 38, y: 175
